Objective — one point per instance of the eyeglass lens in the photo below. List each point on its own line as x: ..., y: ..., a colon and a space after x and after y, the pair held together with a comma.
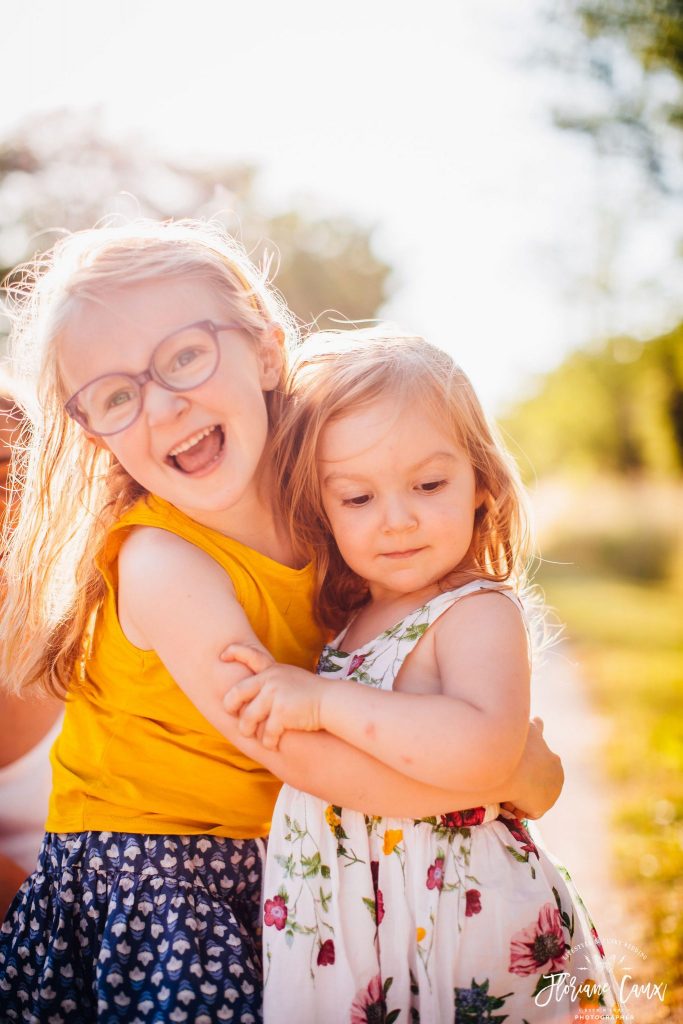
x: 180, y: 362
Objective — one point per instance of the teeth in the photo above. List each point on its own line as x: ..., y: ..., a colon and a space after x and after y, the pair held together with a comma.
x: 191, y: 441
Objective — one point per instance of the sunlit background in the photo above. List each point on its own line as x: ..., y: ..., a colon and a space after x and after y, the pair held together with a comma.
x: 505, y: 179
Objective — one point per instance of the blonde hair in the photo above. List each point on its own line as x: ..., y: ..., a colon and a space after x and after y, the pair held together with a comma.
x: 336, y: 372
x: 73, y: 491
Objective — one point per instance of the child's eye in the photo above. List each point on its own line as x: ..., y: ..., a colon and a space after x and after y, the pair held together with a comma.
x: 357, y: 502
x: 432, y: 485
x: 185, y: 357
x: 118, y: 398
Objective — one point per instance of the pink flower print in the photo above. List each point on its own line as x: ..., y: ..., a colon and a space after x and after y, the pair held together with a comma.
x: 326, y: 953
x: 379, y: 898
x: 517, y: 830
x: 598, y: 943
x: 464, y: 819
x: 275, y: 912
x: 472, y: 902
x: 356, y: 662
x: 540, y: 946
x: 435, y: 874
x: 368, y: 1006
x: 379, y: 905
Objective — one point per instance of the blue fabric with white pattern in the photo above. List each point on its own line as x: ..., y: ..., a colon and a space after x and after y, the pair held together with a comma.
x: 116, y: 927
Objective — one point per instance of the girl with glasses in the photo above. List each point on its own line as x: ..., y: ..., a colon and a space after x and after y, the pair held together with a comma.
x: 150, y: 537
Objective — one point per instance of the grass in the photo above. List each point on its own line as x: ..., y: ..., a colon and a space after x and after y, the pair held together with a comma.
x: 627, y: 629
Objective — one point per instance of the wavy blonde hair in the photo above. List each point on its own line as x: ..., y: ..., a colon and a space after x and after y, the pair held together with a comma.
x: 72, y: 491
x: 337, y: 372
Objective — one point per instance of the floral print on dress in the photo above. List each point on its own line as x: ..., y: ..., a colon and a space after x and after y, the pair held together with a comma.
x: 383, y: 919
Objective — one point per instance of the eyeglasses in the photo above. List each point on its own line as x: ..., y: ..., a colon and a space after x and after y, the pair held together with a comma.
x: 181, y: 361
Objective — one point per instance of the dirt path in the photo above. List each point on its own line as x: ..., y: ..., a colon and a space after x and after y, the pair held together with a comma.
x: 576, y: 830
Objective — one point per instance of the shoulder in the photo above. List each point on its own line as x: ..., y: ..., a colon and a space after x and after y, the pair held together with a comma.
x: 155, y: 564
x: 494, y: 615
x: 153, y: 556
x: 166, y: 580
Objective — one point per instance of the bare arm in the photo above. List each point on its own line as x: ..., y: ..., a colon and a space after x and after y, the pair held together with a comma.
x: 471, y: 732
x: 175, y: 599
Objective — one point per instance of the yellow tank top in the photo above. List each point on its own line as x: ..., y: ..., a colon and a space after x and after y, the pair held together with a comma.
x: 134, y: 754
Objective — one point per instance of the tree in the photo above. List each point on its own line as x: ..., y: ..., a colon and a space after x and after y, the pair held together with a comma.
x: 632, y: 53
x: 60, y: 173
x: 615, y: 408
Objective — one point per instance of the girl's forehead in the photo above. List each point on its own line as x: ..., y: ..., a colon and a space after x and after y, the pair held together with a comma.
x: 117, y: 328
x: 403, y: 428
x: 141, y: 307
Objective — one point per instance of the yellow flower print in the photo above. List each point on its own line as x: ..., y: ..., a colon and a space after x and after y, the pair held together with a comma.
x: 588, y: 993
x: 392, y: 837
x: 332, y: 818
x: 420, y: 934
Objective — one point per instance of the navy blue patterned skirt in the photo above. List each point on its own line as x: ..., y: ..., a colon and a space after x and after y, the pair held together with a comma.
x: 118, y: 927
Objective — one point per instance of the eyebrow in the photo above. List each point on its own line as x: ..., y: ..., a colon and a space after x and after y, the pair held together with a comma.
x: 443, y: 456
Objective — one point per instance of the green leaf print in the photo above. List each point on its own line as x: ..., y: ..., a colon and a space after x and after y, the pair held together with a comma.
x: 327, y: 662
x: 523, y: 858
x: 394, y: 1015
x: 415, y: 632
x: 325, y: 871
x: 311, y: 865
x: 474, y: 1005
x: 286, y: 863
x: 372, y: 907
x: 545, y: 981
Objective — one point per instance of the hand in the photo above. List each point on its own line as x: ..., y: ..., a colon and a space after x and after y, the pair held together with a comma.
x: 538, y: 779
x: 279, y: 696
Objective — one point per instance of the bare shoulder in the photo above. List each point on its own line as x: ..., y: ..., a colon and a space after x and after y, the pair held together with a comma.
x: 483, y: 614
x: 151, y: 558
x: 164, y: 579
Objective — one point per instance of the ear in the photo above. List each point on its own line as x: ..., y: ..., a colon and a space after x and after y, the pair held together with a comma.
x: 480, y: 495
x: 270, y: 355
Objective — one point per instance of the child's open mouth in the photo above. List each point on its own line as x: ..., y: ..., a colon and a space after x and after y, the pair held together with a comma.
x: 199, y: 451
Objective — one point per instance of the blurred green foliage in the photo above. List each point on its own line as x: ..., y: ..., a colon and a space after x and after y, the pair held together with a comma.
x: 629, y: 639
x: 615, y: 408
x: 631, y: 53
x: 613, y: 570
x: 60, y: 172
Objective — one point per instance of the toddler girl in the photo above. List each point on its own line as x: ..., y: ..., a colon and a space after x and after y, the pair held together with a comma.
x: 148, y: 538
x: 415, y: 515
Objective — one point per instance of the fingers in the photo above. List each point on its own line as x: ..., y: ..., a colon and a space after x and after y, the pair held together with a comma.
x: 260, y: 718
x: 255, y: 712
x: 255, y: 658
x: 241, y: 693
x: 538, y: 722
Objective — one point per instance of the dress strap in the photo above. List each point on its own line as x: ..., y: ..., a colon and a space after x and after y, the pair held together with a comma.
x: 402, y: 638
x: 442, y: 602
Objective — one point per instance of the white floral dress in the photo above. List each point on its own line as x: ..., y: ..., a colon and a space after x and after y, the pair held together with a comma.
x: 458, y: 918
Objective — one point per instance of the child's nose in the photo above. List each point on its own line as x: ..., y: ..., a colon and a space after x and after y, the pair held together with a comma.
x: 398, y: 515
x: 161, y: 405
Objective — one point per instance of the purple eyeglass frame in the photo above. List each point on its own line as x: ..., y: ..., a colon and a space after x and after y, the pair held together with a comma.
x: 140, y: 379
